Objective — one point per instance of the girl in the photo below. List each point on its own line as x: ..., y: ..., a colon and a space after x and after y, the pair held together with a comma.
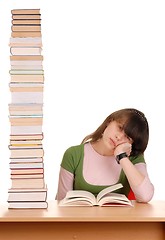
x: 113, y: 154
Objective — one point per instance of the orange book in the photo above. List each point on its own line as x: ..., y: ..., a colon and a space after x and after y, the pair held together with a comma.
x: 26, y: 28
x: 26, y: 22
x: 25, y: 11
x: 27, y: 78
x: 26, y: 34
x: 26, y: 16
x: 24, y: 121
x: 26, y: 58
x: 27, y: 171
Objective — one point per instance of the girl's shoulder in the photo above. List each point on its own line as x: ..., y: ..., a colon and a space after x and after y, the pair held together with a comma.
x: 77, y: 149
x: 72, y: 157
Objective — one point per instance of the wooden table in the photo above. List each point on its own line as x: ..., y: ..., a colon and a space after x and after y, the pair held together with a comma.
x: 142, y: 222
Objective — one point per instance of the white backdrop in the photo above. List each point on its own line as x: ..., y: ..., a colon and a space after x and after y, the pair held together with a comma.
x: 99, y: 56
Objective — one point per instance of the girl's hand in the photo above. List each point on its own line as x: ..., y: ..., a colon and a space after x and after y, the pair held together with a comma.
x: 121, y: 148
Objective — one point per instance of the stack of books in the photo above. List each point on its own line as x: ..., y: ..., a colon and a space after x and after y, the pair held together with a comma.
x: 28, y: 188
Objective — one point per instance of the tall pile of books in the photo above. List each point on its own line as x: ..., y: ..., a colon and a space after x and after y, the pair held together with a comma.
x: 28, y: 188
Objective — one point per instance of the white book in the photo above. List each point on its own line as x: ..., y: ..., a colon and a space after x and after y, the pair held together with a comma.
x: 26, y: 130
x: 26, y: 165
x: 24, y: 106
x: 27, y: 97
x: 25, y: 50
x: 28, y: 72
x: 26, y: 113
x: 26, y: 116
x: 26, y: 67
x: 28, y: 205
x: 23, y: 85
x: 26, y: 160
x: 25, y: 63
x: 27, y: 195
x: 22, y: 40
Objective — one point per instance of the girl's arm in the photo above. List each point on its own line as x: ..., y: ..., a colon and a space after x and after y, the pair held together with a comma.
x: 65, y: 183
x: 138, y: 179
x: 136, y: 174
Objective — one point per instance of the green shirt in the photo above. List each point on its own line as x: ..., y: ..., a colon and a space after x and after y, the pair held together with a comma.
x: 73, y: 162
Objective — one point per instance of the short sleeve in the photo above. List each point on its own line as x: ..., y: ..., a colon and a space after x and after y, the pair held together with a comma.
x: 72, y: 157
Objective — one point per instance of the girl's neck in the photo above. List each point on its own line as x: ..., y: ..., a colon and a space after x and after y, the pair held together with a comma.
x: 101, y: 149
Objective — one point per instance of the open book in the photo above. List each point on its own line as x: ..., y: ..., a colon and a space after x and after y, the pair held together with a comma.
x: 105, y: 198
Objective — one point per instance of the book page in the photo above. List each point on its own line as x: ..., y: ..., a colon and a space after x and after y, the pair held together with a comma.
x: 77, y: 194
x: 108, y: 190
x: 77, y: 201
x: 113, y: 199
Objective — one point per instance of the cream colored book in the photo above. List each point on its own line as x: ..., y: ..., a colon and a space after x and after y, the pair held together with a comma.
x: 28, y: 183
x: 19, y: 195
x: 25, y: 50
x: 26, y: 153
x: 106, y: 197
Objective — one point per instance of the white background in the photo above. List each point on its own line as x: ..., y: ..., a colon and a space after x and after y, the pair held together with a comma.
x: 99, y: 56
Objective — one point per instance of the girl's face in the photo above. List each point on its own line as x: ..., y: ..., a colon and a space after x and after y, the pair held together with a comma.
x: 114, y: 135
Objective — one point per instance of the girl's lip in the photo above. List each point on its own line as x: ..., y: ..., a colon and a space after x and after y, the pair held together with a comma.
x: 111, y: 140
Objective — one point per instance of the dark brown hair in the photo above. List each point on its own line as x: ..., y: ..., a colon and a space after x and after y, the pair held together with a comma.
x: 135, y: 126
